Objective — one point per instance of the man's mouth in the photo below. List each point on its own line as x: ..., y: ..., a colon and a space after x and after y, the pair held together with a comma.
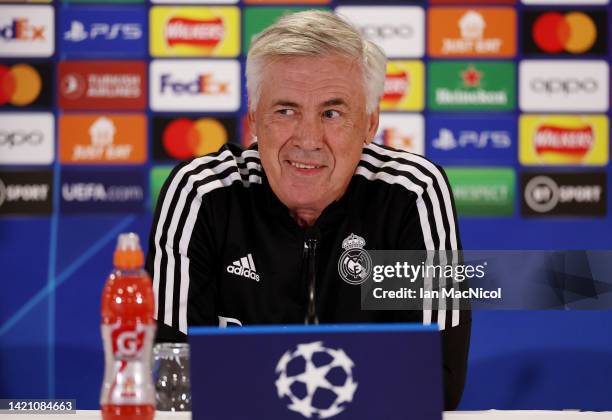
x: 302, y: 165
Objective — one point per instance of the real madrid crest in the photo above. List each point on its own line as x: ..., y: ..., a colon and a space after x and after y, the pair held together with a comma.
x: 355, y: 264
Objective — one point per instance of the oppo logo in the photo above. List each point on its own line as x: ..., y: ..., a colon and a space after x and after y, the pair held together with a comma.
x: 19, y: 138
x: 387, y: 31
x: 566, y: 86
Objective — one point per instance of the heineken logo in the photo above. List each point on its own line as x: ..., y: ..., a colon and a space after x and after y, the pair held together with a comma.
x: 471, y: 86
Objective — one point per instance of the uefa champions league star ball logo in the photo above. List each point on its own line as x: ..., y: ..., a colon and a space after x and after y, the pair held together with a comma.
x: 316, y: 381
x: 355, y: 263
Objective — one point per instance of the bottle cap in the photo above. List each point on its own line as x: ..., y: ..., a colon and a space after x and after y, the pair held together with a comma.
x: 128, y: 254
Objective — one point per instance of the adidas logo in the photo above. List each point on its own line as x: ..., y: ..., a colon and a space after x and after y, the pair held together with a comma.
x: 244, y: 267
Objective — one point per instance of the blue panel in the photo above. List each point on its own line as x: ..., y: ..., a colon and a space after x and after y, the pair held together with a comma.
x: 83, y: 268
x: 250, y: 364
x: 103, y: 31
x: 545, y: 360
x: 478, y: 139
x: 23, y: 356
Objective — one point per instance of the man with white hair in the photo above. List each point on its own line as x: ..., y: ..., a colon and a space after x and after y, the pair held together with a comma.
x: 254, y: 236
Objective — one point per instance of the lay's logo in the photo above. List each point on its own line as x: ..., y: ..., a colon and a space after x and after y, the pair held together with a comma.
x: 573, y: 143
x: 396, y: 84
x: 563, y: 140
x: 403, y: 86
x: 194, y: 31
x: 202, y: 33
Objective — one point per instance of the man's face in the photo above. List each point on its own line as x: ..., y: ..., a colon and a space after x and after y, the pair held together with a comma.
x: 311, y: 125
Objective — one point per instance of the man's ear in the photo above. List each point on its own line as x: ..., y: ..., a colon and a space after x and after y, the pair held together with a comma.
x: 372, y: 125
x: 251, y: 120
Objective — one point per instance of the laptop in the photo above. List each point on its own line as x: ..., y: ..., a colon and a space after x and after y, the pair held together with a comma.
x: 340, y: 372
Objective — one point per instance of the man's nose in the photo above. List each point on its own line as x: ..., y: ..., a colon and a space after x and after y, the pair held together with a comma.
x: 309, y: 133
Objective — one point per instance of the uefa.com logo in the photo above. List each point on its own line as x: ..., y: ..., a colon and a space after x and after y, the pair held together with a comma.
x: 355, y: 264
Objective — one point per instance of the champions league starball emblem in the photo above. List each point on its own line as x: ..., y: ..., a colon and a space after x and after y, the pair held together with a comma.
x: 355, y: 264
x: 316, y: 381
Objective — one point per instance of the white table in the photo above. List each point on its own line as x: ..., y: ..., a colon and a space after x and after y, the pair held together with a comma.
x: 456, y: 415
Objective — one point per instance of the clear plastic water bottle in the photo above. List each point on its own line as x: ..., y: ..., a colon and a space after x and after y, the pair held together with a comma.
x: 128, y: 331
x: 171, y: 376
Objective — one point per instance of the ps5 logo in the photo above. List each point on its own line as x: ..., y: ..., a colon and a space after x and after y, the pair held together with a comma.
x: 104, y: 31
x: 478, y: 139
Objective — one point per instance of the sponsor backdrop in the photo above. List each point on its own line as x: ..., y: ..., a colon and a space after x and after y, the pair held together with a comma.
x: 99, y: 99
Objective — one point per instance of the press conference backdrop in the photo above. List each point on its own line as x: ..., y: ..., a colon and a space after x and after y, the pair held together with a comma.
x: 99, y: 99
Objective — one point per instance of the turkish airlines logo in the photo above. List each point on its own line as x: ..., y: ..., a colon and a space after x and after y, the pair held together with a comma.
x: 565, y: 32
x: 568, y: 85
x: 26, y: 31
x: 398, y: 30
x: 195, y: 85
x: 26, y: 138
x: 203, y: 33
x: 102, y: 84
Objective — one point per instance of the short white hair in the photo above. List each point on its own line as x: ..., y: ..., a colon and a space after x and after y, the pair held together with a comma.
x: 316, y: 33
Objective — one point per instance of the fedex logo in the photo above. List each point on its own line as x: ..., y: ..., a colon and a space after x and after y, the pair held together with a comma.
x: 472, y: 138
x: 195, y: 85
x: 26, y: 31
x: 127, y: 31
x: 21, y: 28
x: 103, y: 31
x: 203, y: 84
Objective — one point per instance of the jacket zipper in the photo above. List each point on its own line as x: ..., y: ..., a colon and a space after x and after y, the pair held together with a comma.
x: 311, y: 241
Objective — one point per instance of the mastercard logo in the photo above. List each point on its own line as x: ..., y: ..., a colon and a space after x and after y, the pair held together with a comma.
x: 184, y: 138
x: 573, y: 32
x: 20, y: 84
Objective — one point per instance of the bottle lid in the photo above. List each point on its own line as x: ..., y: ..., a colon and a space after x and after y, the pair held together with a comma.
x: 128, y: 254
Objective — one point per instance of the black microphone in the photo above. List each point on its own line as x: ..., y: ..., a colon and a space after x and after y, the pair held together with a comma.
x: 312, y: 236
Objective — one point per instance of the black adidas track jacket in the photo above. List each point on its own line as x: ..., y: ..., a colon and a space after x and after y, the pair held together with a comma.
x: 224, y: 250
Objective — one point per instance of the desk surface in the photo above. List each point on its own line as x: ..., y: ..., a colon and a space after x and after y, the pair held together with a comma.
x: 456, y: 415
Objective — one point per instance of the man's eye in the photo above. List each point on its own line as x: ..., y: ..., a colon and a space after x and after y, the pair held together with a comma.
x: 330, y: 113
x: 286, y: 111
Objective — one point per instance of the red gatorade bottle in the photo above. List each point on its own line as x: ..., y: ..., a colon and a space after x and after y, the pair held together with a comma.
x: 128, y: 330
